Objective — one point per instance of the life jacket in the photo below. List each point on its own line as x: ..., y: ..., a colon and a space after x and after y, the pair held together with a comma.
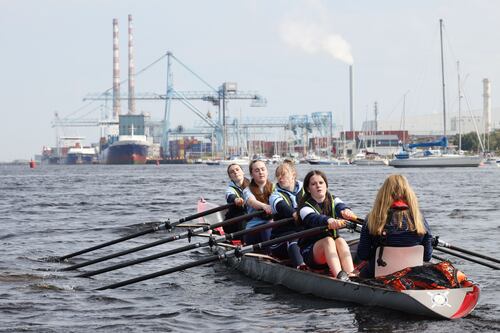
x: 234, y: 211
x: 316, y: 207
x: 400, y: 257
x: 237, y: 191
x: 286, y: 195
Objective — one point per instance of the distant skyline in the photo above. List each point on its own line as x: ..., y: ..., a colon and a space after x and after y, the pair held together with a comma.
x: 295, y: 53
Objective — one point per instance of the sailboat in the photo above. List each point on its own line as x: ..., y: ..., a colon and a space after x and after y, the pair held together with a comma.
x: 366, y: 157
x: 434, y: 157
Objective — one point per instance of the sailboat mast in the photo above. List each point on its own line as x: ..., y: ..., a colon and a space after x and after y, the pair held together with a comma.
x: 459, y: 110
x: 442, y: 76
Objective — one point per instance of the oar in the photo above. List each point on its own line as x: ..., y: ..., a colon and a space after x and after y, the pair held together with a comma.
x: 437, y: 242
x: 211, y: 242
x: 220, y: 256
x: 186, y: 234
x: 456, y: 254
x: 166, y: 225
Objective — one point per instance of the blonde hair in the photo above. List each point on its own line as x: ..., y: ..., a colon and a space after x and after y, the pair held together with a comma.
x: 284, y: 168
x: 395, y: 187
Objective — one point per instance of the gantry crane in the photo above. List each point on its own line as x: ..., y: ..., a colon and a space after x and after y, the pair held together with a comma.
x: 216, y: 96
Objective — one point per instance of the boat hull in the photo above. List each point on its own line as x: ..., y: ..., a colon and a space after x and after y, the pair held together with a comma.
x: 368, y: 162
x: 438, y: 303
x: 437, y: 161
x: 126, y: 152
x: 79, y: 159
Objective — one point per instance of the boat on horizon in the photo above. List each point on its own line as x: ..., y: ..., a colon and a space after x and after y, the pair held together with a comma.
x: 316, y: 160
x: 131, y: 146
x: 81, y: 155
x: 368, y: 158
x: 240, y: 160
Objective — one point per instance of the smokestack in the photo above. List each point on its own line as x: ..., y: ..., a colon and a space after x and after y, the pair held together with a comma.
x: 487, y: 112
x: 116, y: 71
x: 351, y: 113
x: 486, y: 106
x: 131, y: 69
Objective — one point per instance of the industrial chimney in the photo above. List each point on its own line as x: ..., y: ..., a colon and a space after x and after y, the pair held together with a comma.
x: 116, y: 72
x: 486, y: 109
x: 351, y: 112
x: 131, y: 69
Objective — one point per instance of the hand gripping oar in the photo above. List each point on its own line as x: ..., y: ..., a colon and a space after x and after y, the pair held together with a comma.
x: 164, y: 225
x: 186, y: 234
x: 437, y: 242
x: 219, y: 256
x: 212, y: 241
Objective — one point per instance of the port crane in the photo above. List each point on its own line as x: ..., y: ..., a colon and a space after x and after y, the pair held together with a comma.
x: 217, y: 96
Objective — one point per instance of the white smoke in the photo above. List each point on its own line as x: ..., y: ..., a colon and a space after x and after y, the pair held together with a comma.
x: 313, y: 36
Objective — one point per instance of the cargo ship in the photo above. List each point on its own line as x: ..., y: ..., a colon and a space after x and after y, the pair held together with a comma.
x: 130, y: 146
x: 81, y: 155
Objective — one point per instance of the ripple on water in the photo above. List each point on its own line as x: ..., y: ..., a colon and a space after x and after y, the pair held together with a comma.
x: 62, y: 209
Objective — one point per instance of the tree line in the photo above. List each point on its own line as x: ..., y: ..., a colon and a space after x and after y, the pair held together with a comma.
x: 470, y: 141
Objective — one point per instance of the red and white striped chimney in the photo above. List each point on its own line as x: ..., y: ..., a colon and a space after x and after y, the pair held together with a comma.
x: 116, y: 72
x: 131, y: 69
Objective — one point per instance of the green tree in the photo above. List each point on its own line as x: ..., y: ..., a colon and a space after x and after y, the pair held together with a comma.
x: 469, y: 141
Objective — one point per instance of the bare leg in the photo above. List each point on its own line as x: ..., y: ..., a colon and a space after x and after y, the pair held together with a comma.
x: 344, y: 254
x: 325, y: 251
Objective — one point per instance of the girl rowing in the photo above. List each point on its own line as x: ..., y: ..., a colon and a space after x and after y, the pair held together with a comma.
x: 234, y: 194
x: 256, y: 196
x: 283, y: 201
x: 318, y: 207
x: 395, y: 220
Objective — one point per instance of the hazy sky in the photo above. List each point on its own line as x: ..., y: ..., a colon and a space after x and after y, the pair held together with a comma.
x: 295, y: 53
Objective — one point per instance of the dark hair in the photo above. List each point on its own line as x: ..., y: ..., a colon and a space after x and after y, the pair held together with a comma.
x: 229, y: 167
x: 310, y: 174
x: 246, y: 182
x: 254, y: 188
x: 327, y: 205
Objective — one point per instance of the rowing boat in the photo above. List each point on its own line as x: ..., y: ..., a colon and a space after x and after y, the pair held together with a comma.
x: 439, y: 303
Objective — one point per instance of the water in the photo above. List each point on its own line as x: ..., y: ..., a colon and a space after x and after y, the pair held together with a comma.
x: 56, y: 210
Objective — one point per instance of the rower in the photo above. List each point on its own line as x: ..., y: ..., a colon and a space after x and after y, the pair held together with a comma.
x: 234, y: 194
x: 395, y: 235
x: 284, y: 202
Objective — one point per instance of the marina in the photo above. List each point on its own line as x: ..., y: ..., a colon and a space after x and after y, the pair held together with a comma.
x: 317, y: 137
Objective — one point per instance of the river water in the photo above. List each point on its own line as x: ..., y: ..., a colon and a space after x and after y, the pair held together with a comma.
x: 55, y: 210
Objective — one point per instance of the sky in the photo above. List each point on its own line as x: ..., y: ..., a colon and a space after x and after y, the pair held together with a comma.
x: 295, y: 53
